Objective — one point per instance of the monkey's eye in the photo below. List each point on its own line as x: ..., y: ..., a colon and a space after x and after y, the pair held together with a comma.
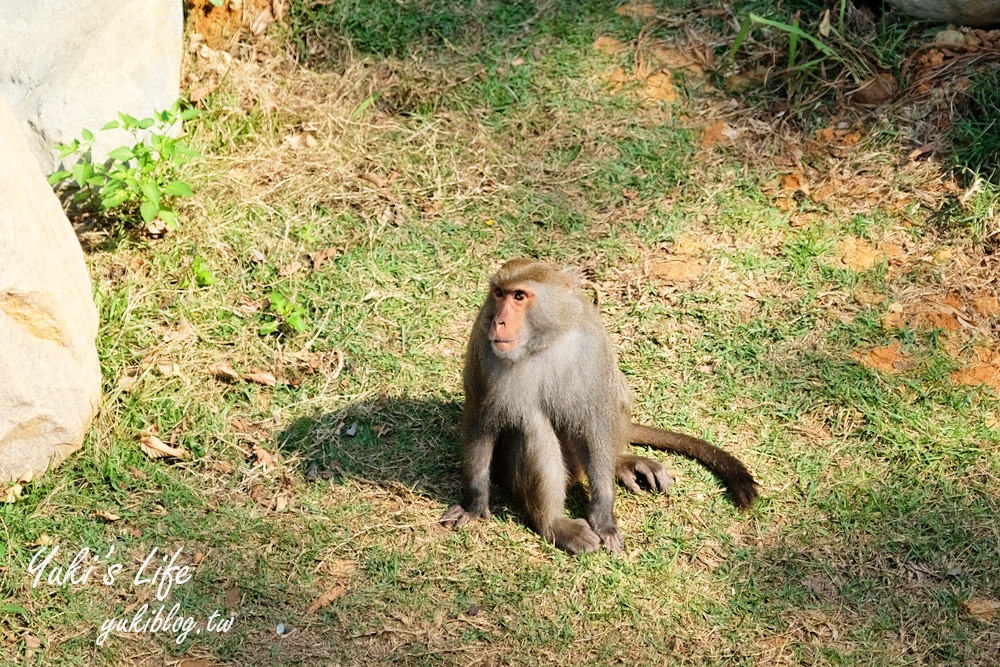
x: 520, y: 295
x: 498, y: 293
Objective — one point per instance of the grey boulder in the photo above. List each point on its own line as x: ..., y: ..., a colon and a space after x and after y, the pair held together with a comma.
x: 65, y: 66
x: 50, y: 378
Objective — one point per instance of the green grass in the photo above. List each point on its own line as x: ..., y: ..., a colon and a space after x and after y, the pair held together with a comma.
x: 974, y: 135
x: 879, y: 496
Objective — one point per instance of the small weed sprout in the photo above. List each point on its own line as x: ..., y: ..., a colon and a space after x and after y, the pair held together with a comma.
x: 141, y: 175
x: 284, y: 312
x: 202, y: 274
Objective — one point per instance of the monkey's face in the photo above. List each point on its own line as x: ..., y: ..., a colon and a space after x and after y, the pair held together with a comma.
x: 509, y: 327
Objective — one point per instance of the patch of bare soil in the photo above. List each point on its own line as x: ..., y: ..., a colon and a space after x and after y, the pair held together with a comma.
x: 848, y: 167
x: 220, y: 27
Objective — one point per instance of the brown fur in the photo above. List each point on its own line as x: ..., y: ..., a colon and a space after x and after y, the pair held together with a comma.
x: 556, y: 405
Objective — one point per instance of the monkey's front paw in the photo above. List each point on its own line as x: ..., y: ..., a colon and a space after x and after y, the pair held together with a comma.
x: 459, y: 516
x: 574, y: 535
x: 607, y: 529
x: 612, y: 540
x: 637, y: 473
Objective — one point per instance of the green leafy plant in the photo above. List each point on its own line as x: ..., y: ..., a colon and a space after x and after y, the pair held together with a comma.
x: 284, y: 311
x: 138, y: 176
x: 833, y: 49
x: 203, y: 276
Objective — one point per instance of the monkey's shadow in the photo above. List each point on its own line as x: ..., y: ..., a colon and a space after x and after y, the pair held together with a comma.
x: 415, y: 442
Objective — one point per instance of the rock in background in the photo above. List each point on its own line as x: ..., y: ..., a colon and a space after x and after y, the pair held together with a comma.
x: 50, y: 378
x: 960, y: 12
x: 69, y: 65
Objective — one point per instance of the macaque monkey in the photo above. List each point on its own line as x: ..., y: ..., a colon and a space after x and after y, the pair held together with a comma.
x: 545, y: 401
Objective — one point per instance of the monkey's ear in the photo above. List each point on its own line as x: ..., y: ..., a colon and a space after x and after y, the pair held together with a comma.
x: 573, y: 277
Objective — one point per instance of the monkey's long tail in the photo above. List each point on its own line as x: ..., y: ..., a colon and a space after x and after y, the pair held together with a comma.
x: 738, y: 479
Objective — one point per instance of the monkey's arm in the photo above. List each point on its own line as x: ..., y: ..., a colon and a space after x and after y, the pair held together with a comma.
x: 475, y: 482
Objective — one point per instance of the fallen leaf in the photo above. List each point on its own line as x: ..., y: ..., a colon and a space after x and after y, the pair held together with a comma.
x: 326, y: 598
x: 950, y: 38
x: 128, y: 379
x: 802, y: 219
x: 42, y: 541
x: 517, y: 62
x: 264, y: 19
x: 375, y: 179
x: 300, y: 140
x: 257, y: 495
x: 319, y: 257
x: 288, y: 269
x: 338, y: 365
x: 31, y: 641
x: 261, y: 377
x: 257, y: 256
x: 180, y: 332
x: 166, y: 368
x: 222, y: 369
x: 824, y: 24
x: 609, y: 45
x: 155, y: 448
x: 156, y: 228
x: 203, y: 91
x: 248, y: 306
x: 629, y: 194
x: 198, y: 557
x: 876, y: 90
x: 886, y: 359
x: 224, y: 467
x: 107, y: 516
x: 637, y: 10
x: 14, y: 491
x: 264, y: 457
x: 793, y: 182
x: 982, y: 608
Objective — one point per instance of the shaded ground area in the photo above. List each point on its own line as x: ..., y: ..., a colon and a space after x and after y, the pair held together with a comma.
x: 802, y: 277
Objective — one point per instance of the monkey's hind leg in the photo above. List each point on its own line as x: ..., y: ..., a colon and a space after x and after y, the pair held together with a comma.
x: 637, y: 474
x: 538, y: 481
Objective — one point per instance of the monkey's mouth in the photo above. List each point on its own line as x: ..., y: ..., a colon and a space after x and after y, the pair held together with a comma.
x: 505, y: 344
